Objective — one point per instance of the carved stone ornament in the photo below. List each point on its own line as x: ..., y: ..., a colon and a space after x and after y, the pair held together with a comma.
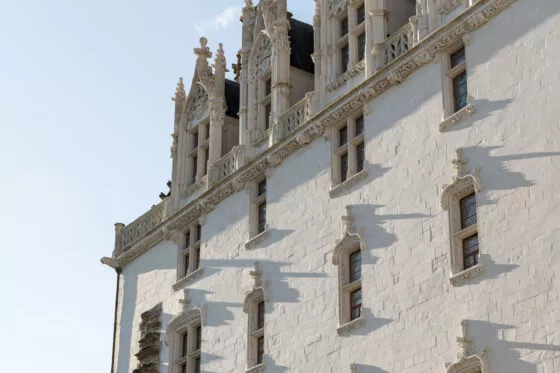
x: 349, y: 74
x: 468, y: 361
x: 436, y: 42
x: 457, y: 117
x: 150, y: 344
x: 447, y: 6
x: 463, y: 179
x: 258, y: 291
x: 336, y: 7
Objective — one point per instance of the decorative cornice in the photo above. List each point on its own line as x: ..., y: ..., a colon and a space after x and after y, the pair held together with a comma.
x: 419, y: 55
x: 352, y: 72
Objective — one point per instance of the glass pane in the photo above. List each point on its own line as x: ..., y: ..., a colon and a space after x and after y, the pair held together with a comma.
x: 198, y: 337
x: 267, y: 111
x: 262, y: 217
x: 460, y: 91
x: 260, y: 316
x: 197, y: 365
x: 188, y: 238
x: 197, y: 259
x: 343, y: 167
x: 184, y: 368
x: 186, y: 265
x: 195, y: 168
x: 345, y: 57
x: 470, y: 251
x: 261, y: 188
x: 198, y: 232
x: 342, y: 136
x: 206, y: 157
x: 458, y: 57
x: 359, y: 125
x: 260, y: 350
x: 343, y: 27
x: 195, y: 142
x: 468, y: 211
x: 361, y: 13
x: 355, y: 304
x: 361, y: 47
x: 268, y: 87
x: 360, y: 150
x: 355, y: 266
x: 184, y: 345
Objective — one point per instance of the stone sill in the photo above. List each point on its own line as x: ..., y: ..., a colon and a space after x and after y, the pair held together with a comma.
x: 188, y: 279
x: 467, y: 275
x: 348, y: 183
x: 457, y: 117
x: 352, y: 325
x: 256, y: 369
x: 253, y: 242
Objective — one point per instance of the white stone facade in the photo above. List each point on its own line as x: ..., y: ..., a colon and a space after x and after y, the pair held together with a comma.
x: 417, y: 315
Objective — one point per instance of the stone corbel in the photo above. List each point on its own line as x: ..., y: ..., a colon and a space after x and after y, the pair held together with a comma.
x: 468, y: 360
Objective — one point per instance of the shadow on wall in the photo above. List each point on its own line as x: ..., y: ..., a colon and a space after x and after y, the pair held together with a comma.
x: 484, y: 109
x: 272, y: 367
x: 375, y: 171
x: 275, y: 236
x: 371, y: 323
x: 495, y: 169
x: 504, y: 356
x: 361, y: 368
x: 492, y: 270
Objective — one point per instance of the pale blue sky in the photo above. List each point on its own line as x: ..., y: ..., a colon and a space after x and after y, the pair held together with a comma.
x: 85, y: 123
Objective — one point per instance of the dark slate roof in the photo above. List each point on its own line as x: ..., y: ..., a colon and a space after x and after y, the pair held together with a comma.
x: 232, y: 98
x: 301, y: 39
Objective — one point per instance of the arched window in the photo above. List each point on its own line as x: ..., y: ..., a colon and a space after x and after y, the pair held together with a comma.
x: 254, y: 305
x: 460, y: 200
x: 184, y: 336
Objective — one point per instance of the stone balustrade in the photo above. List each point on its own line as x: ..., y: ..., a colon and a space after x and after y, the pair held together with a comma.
x: 395, y: 45
x: 294, y: 117
x: 224, y: 167
x: 144, y: 224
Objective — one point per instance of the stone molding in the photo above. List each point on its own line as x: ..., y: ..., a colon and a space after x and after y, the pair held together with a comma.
x: 256, y: 369
x: 353, y: 71
x: 456, y: 118
x: 188, y: 279
x: 467, y: 275
x: 345, y: 329
x: 256, y: 240
x: 337, y: 190
x: 448, y: 6
x: 421, y: 54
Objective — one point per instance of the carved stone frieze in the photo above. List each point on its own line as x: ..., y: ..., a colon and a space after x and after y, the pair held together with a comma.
x: 447, y: 6
x: 336, y: 7
x: 352, y: 72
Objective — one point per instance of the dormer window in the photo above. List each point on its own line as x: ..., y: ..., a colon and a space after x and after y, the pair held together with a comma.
x: 352, y: 36
x: 198, y: 152
x: 265, y: 102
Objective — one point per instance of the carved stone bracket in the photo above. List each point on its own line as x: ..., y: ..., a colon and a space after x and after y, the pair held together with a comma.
x: 468, y: 361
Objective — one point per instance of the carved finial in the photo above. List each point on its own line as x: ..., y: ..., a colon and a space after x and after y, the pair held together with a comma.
x: 459, y: 163
x: 237, y: 67
x: 186, y: 300
x: 256, y: 274
x: 464, y: 342
x: 180, y: 94
x: 221, y: 58
x: 203, y: 51
x: 348, y: 221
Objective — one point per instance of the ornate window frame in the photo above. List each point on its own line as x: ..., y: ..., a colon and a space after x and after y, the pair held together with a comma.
x: 354, y: 139
x: 452, y: 116
x: 464, y: 183
x: 186, y: 323
x: 256, y: 295
x: 189, y: 248
x: 260, y: 70
x: 350, y: 242
x: 258, y: 198
x: 468, y: 361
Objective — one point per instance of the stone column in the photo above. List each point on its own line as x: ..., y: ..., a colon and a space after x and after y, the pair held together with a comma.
x: 217, y: 107
x: 248, y: 17
x: 317, y: 46
x: 378, y: 32
x: 421, y: 20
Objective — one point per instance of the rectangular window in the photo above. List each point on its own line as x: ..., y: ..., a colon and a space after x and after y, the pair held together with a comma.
x: 355, y: 304
x: 194, y: 168
x: 260, y: 350
x: 344, y: 58
x: 198, y: 337
x: 458, y: 57
x: 268, y: 87
x: 206, y: 157
x: 186, y: 264
x: 343, y: 167
x: 267, y: 111
x: 197, y: 365
x: 198, y: 232
x: 184, y: 368
x: 362, y: 46
x: 360, y: 155
x: 195, y: 140
x: 188, y: 238
x: 344, y: 26
x: 197, y: 259
x: 361, y: 13
x: 468, y: 211
x: 359, y: 122
x: 460, y: 91
x: 355, y: 266
x: 184, y: 345
x: 261, y: 190
x: 260, y: 316
x: 342, y: 136
x: 262, y: 217
x: 470, y: 251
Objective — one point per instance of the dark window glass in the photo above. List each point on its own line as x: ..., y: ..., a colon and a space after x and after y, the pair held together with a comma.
x: 195, y: 138
x: 195, y: 168
x: 186, y: 265
x: 261, y: 188
x: 198, y: 232
x: 359, y: 125
x: 355, y: 266
x: 260, y: 350
x: 188, y: 238
x: 198, y: 337
x: 206, y: 157
x: 470, y: 251
x: 207, y: 132
x: 458, y: 57
x: 342, y: 136
x: 197, y: 365
x: 260, y: 316
x: 268, y: 87
x: 460, y: 91
x: 184, y: 368
x: 343, y: 167
x: 361, y: 13
x: 361, y: 47
x: 344, y: 58
x: 343, y: 27
x: 355, y: 304
x: 267, y: 111
x: 197, y: 259
x: 468, y: 211
x: 184, y: 345
x: 360, y: 150
x: 262, y: 217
